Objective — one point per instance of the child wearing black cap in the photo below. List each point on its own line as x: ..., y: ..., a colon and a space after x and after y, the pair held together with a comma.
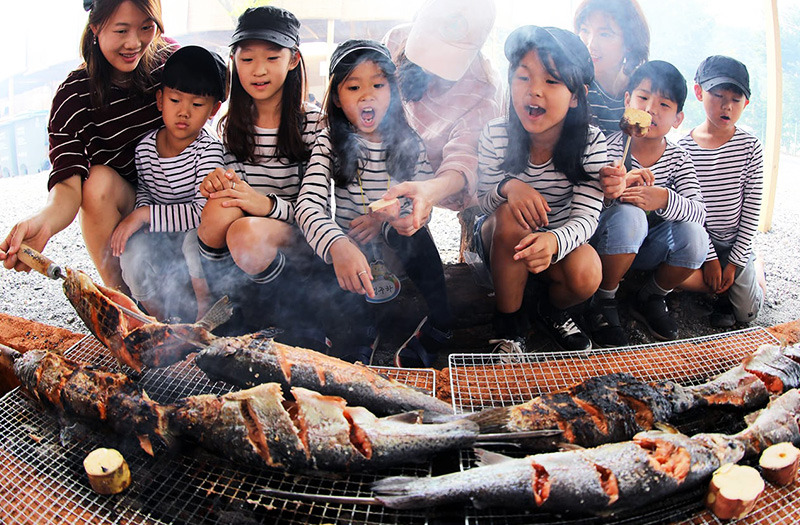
x: 368, y: 147
x: 170, y: 163
x: 538, y: 186
x: 729, y: 166
x: 655, y: 213
x: 250, y: 248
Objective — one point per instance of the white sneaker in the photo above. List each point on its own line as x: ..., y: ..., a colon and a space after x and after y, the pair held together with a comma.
x: 510, y: 350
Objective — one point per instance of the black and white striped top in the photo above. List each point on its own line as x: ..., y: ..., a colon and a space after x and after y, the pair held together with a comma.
x: 314, y: 204
x: 606, y: 110
x: 273, y: 175
x: 82, y: 135
x: 731, y: 178
x: 574, y: 208
x: 674, y: 170
x: 170, y: 186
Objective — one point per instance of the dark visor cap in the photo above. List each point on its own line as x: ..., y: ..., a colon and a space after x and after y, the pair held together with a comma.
x: 269, y: 23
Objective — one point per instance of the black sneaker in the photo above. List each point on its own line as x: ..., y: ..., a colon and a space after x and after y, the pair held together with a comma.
x: 653, y: 312
x: 722, y: 315
x: 510, y: 350
x: 421, y: 349
x: 563, y: 329
x: 602, y: 316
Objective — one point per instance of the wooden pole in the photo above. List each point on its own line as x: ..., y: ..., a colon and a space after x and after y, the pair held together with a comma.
x: 772, y: 148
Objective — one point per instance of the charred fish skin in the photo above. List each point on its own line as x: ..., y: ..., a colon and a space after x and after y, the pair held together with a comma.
x: 254, y: 359
x: 104, y: 320
x: 79, y: 390
x: 250, y: 427
x: 775, y: 367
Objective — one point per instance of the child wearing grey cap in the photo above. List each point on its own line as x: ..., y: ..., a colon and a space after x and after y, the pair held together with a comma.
x: 729, y: 164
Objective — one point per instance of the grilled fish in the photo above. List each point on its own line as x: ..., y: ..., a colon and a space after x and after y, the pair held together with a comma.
x: 257, y: 426
x: 611, y: 477
x: 777, y: 423
x: 614, y: 407
x: 80, y: 390
x: 131, y: 341
x: 252, y: 359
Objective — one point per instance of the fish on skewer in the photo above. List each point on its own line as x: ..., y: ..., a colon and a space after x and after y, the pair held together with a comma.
x: 614, y: 407
x: 252, y: 359
x: 133, y: 342
x: 611, y: 477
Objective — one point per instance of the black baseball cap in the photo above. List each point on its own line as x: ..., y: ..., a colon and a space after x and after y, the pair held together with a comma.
x: 349, y: 47
x: 269, y: 23
x: 717, y: 70
x: 565, y: 41
x: 195, y: 69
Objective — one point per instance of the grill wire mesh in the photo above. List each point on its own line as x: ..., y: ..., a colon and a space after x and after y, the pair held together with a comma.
x: 42, y: 478
x: 482, y: 380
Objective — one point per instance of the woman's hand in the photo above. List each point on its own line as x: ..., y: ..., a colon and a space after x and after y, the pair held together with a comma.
x: 127, y: 227
x: 32, y: 231
x: 364, y: 228
x: 218, y: 180
x: 241, y: 195
x: 536, y: 251
x: 526, y: 204
x: 351, y: 267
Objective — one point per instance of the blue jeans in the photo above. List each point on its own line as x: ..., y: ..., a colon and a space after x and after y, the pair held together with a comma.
x: 624, y: 228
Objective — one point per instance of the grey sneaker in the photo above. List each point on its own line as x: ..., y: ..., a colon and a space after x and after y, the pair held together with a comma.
x: 510, y: 350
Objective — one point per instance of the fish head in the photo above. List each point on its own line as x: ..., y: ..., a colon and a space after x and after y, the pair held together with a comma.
x: 95, y: 310
x: 26, y: 368
x: 726, y: 448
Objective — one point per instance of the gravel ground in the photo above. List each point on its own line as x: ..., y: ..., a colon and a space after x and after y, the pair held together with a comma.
x: 33, y: 297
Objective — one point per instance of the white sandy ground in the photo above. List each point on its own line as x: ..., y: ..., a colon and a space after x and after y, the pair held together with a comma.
x: 34, y: 297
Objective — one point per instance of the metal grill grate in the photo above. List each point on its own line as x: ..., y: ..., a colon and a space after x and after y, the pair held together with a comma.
x: 481, y: 380
x: 42, y: 478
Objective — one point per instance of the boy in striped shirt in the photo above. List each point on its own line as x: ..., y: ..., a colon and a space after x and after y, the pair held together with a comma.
x: 654, y: 213
x: 729, y: 166
x: 157, y: 242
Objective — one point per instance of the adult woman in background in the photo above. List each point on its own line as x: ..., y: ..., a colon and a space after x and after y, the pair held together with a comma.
x: 618, y: 38
x: 98, y: 115
x: 450, y: 91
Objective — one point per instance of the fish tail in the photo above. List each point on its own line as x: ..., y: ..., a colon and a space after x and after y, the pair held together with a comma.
x: 403, y: 492
x: 492, y: 419
x: 220, y: 313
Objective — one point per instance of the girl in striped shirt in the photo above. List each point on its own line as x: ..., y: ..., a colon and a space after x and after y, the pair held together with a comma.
x: 538, y: 184
x: 247, y: 234
x: 366, y: 148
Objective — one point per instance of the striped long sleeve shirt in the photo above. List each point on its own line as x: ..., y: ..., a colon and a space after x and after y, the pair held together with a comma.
x: 574, y: 208
x: 351, y: 201
x: 273, y: 175
x: 170, y: 186
x: 731, y: 178
x: 82, y: 135
x: 674, y: 171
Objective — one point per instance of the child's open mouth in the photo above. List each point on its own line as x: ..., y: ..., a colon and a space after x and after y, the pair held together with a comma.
x: 368, y: 116
x: 725, y: 117
x: 535, y: 111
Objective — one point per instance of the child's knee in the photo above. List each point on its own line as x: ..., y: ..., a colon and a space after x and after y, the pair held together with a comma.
x: 507, y: 230
x: 215, y: 221
x: 622, y: 229
x: 690, y: 244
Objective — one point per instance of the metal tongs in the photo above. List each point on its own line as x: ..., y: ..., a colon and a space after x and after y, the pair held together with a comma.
x: 48, y: 268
